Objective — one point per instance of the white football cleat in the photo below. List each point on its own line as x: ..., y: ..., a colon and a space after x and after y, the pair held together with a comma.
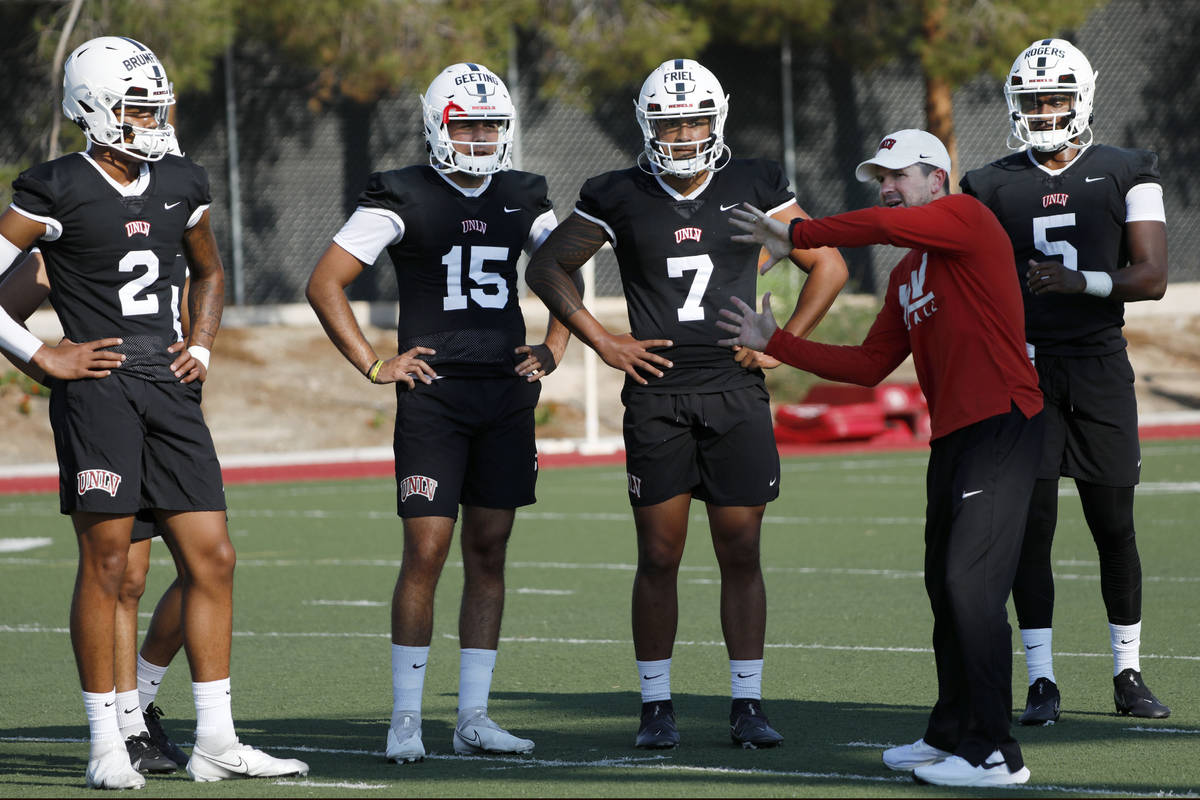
x: 240, y: 761
x: 957, y: 771
x: 404, y: 741
x: 109, y: 768
x: 476, y: 733
x: 911, y: 756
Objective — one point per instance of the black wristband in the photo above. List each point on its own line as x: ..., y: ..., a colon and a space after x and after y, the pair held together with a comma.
x: 792, y: 229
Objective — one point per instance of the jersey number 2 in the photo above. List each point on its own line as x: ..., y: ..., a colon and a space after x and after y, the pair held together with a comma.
x: 691, y: 310
x: 134, y: 306
x: 455, y: 300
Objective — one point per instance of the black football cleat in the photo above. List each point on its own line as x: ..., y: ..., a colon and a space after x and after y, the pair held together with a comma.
x: 159, y: 737
x: 749, y: 726
x: 657, y: 731
x: 145, y: 757
x: 1043, y: 704
x: 1133, y: 697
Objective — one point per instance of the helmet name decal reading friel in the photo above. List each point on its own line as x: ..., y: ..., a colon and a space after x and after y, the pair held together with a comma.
x: 677, y: 91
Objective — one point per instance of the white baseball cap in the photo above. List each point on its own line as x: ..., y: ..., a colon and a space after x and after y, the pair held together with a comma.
x: 903, y: 149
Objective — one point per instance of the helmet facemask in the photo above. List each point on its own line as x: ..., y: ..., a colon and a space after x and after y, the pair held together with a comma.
x: 467, y: 93
x: 676, y: 91
x: 1048, y: 68
x: 103, y: 80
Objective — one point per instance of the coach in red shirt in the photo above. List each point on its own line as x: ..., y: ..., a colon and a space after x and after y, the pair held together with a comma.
x: 954, y: 302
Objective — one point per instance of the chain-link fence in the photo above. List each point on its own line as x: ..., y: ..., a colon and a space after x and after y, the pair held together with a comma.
x: 300, y: 171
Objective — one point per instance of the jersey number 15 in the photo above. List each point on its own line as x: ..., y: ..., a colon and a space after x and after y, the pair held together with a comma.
x: 455, y: 300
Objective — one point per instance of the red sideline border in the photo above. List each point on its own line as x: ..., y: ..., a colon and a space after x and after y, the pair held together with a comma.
x: 349, y: 470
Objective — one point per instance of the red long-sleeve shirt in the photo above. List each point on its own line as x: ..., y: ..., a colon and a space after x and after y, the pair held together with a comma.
x: 953, y: 301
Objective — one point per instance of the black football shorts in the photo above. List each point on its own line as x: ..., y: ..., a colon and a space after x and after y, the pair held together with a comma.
x: 717, y: 446
x: 126, y: 444
x: 1091, y: 419
x: 467, y: 441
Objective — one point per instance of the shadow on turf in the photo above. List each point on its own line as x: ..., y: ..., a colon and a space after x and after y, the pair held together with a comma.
x: 588, y: 737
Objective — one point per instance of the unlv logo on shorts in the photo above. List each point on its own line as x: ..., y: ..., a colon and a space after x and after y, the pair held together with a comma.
x: 101, y: 479
x: 687, y: 233
x: 138, y: 226
x: 417, y: 484
x: 635, y: 484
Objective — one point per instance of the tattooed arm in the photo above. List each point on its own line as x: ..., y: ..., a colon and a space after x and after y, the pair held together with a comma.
x: 206, y: 298
x: 550, y: 275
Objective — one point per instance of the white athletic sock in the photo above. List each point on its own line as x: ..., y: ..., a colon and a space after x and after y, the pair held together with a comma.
x: 408, y: 680
x: 656, y: 679
x: 745, y: 678
x: 1039, y: 653
x: 129, y: 714
x: 475, y: 667
x: 149, y: 677
x: 1126, y: 646
x: 101, y: 708
x: 214, y: 716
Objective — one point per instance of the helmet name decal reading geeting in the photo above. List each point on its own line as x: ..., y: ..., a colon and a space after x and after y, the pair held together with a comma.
x: 1050, y: 67
x: 676, y: 91
x: 107, y: 78
x: 462, y: 93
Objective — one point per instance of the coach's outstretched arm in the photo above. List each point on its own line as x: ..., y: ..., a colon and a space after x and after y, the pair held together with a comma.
x: 550, y: 276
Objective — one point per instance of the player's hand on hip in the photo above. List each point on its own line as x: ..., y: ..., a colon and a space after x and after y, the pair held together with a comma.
x: 538, y: 363
x: 632, y: 356
x: 408, y: 368
x: 70, y: 361
x: 754, y: 359
x: 186, y: 366
x: 750, y: 328
x: 763, y: 230
x: 1050, y: 276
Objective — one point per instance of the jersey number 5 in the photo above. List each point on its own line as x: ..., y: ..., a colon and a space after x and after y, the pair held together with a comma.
x: 691, y: 310
x: 1043, y: 225
x: 455, y: 300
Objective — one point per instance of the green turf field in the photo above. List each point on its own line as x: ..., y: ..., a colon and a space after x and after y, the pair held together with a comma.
x: 849, y: 668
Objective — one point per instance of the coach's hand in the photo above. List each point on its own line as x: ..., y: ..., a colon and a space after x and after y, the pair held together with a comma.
x: 70, y: 361
x: 750, y: 329
x: 186, y: 366
x: 630, y: 355
x: 754, y: 359
x: 408, y: 368
x: 1051, y: 276
x: 538, y: 363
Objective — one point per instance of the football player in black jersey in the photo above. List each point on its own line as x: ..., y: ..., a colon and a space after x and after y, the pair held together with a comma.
x: 466, y: 382
x: 696, y: 418
x: 1089, y: 232
x: 128, y: 428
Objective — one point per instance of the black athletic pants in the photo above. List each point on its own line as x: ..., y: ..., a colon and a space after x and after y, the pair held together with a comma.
x: 978, y: 486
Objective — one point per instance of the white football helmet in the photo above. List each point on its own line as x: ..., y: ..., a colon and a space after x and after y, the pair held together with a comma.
x: 682, y: 88
x: 103, y: 77
x: 1050, y: 66
x: 463, y: 92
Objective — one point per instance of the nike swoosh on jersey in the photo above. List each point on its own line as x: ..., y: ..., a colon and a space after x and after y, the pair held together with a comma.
x: 1093, y: 180
x: 726, y: 208
x: 169, y: 206
x: 772, y: 481
x: 971, y: 494
x: 508, y: 210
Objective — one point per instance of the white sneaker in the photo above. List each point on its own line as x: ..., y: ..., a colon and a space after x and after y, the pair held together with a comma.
x: 109, y: 768
x: 911, y: 756
x: 957, y: 771
x: 240, y: 761
x: 476, y: 733
x: 404, y: 742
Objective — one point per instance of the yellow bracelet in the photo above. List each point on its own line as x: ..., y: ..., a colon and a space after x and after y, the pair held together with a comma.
x: 373, y: 372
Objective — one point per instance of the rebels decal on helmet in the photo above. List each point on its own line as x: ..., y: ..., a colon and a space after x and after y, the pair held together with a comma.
x: 104, y: 78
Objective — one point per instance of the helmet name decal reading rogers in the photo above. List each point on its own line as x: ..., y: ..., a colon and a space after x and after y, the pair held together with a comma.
x: 102, y: 479
x: 418, y: 484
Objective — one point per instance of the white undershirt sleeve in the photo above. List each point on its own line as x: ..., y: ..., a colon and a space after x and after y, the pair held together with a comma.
x: 540, y: 230
x: 368, y: 232
x: 1144, y: 203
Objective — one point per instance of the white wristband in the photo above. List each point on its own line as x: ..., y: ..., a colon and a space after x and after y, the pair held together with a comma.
x: 16, y: 339
x: 1099, y: 284
x: 201, y: 354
